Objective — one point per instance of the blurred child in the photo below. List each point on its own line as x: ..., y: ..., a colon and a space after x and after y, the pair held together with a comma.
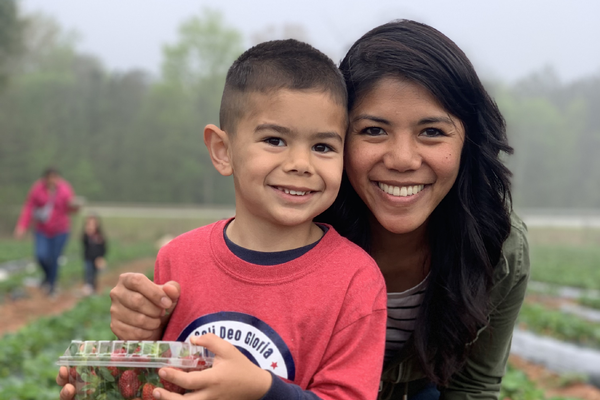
x: 94, y: 249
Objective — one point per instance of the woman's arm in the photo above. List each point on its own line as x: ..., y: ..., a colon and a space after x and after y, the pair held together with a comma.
x: 482, y: 374
x: 26, y: 212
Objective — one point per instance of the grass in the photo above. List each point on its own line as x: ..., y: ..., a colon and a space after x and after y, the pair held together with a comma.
x: 12, y: 249
x: 567, y: 266
x: 128, y: 239
x: 71, y: 272
x: 568, y: 257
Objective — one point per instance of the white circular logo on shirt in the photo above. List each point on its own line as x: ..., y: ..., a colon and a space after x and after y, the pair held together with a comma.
x: 253, y: 337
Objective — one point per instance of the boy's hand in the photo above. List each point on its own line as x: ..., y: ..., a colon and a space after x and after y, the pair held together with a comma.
x: 62, y: 379
x: 232, y: 375
x: 140, y: 308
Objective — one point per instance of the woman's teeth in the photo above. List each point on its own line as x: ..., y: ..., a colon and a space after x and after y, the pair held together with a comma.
x: 401, y: 191
x: 293, y: 192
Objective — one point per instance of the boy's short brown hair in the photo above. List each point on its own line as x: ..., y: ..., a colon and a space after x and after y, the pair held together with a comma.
x: 274, y: 65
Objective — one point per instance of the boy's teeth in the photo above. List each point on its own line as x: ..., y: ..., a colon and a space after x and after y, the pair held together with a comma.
x: 293, y: 192
x: 400, y: 191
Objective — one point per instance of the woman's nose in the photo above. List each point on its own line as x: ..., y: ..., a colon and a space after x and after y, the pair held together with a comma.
x: 403, y: 154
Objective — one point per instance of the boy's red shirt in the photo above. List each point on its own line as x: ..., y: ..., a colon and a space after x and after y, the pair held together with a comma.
x: 317, y: 321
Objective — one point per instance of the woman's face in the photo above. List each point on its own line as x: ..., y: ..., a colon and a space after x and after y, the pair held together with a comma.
x: 402, y: 153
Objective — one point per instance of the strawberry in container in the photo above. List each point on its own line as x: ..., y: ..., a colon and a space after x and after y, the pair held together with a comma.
x: 117, y: 370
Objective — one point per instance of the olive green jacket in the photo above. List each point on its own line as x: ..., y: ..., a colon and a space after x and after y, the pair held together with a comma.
x: 482, y: 374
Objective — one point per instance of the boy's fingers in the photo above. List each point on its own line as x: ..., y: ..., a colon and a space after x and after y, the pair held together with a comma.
x: 162, y: 394
x: 213, y: 343
x: 187, y: 380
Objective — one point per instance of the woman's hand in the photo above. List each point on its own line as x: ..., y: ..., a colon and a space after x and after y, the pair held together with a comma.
x: 140, y: 308
x: 232, y: 376
x: 19, y: 232
x: 62, y: 379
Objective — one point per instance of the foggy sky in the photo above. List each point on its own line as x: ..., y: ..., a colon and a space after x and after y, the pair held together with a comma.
x: 505, y: 39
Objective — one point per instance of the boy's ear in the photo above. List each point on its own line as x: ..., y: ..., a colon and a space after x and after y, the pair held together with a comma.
x: 217, y: 143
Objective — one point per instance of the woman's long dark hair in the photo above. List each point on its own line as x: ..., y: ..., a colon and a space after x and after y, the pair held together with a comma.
x: 467, y: 229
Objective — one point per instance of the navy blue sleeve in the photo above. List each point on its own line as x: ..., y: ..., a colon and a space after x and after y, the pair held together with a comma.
x: 282, y: 390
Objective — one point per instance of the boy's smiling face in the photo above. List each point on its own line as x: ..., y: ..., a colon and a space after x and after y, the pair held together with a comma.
x: 287, y: 156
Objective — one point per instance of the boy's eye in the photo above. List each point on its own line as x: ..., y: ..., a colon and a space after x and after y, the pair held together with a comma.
x: 274, y: 141
x: 432, y: 132
x: 322, y: 148
x: 373, y: 131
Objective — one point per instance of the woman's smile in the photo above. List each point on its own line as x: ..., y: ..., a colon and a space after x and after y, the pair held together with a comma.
x: 400, y: 190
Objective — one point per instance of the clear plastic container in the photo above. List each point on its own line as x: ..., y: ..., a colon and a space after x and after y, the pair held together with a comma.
x: 116, y: 370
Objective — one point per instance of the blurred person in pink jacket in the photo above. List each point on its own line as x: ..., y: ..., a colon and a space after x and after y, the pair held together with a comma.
x: 49, y: 203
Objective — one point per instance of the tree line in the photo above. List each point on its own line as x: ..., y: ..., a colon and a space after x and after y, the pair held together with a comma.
x: 128, y: 136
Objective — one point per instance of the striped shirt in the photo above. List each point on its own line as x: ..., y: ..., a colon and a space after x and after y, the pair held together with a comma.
x: 402, y: 309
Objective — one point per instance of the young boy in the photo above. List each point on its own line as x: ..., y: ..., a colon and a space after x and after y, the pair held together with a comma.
x: 279, y: 292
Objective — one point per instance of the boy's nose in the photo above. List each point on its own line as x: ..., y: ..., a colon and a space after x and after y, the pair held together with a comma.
x: 298, y: 162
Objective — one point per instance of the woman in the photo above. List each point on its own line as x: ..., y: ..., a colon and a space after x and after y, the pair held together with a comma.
x: 49, y: 203
x: 426, y: 193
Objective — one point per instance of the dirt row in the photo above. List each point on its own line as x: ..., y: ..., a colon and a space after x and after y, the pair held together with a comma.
x: 18, y: 313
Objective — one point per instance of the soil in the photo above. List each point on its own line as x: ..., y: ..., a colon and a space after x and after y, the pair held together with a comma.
x: 33, y: 304
x: 553, y: 384
x: 18, y: 313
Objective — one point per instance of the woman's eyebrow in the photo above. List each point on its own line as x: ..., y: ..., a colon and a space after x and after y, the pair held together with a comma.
x: 434, y: 120
x: 371, y: 118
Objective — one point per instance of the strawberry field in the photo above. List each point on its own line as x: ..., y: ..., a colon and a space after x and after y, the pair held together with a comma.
x: 28, y: 355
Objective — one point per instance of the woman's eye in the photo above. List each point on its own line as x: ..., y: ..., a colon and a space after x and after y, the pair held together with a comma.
x: 373, y: 131
x: 432, y: 132
x: 274, y: 141
x: 322, y: 148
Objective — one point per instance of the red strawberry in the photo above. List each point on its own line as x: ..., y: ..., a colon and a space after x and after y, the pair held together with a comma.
x: 73, y: 373
x: 114, y: 371
x: 129, y: 384
x: 147, y: 391
x: 117, y: 354
x: 171, y: 387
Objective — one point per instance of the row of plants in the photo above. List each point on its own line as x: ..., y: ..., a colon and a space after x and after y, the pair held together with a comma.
x: 28, y: 357
x: 557, y: 324
x: 590, y: 302
x: 516, y: 385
